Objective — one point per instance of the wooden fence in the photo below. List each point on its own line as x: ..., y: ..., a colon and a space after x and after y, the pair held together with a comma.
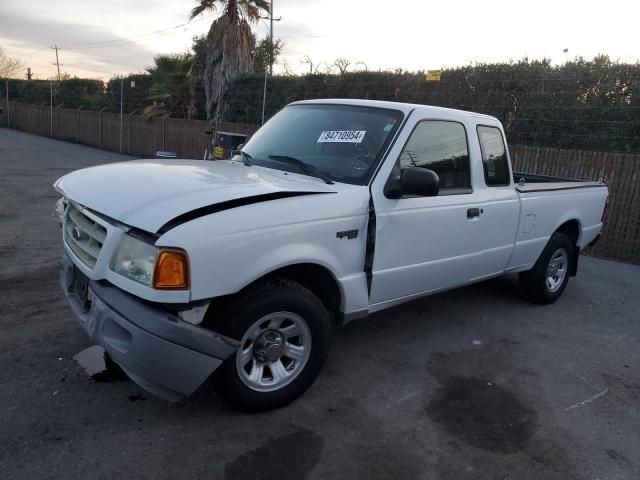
x: 143, y: 137
x: 620, y: 171
x: 135, y: 135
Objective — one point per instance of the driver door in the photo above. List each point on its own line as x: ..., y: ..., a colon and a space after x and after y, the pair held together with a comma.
x: 425, y: 244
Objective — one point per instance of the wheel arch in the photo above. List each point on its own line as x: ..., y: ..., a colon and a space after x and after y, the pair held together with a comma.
x: 316, y: 277
x: 572, y: 229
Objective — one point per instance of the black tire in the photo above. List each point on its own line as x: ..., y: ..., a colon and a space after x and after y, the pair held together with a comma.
x: 243, y: 311
x: 534, y: 282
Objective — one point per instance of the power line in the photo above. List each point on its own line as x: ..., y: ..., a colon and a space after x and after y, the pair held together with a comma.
x: 142, y: 36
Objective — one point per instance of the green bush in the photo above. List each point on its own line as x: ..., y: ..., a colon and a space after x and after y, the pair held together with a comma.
x: 591, y: 105
x: 582, y: 104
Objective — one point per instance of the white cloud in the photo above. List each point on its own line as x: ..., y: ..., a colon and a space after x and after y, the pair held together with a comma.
x: 412, y: 34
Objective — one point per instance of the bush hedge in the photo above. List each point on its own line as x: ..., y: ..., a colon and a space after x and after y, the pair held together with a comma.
x: 582, y: 104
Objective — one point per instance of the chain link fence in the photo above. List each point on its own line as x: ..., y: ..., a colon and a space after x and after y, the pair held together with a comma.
x: 142, y: 136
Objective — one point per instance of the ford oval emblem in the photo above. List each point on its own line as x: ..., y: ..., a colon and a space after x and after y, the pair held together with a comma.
x: 76, y: 233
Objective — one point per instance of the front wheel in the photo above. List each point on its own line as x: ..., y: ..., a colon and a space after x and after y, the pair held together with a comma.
x: 283, y: 329
x: 546, y: 281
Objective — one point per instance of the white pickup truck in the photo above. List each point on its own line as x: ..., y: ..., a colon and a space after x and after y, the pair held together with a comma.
x: 333, y: 210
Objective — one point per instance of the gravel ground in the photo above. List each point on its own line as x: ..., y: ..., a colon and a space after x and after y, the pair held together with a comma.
x: 471, y: 384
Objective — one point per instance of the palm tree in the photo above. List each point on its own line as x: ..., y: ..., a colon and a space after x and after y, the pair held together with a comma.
x: 174, y: 83
x: 229, y: 46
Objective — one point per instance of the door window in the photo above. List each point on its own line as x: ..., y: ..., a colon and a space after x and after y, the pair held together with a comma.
x: 440, y: 146
x: 494, y: 156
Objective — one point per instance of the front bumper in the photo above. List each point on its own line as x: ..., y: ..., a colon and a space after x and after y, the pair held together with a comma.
x: 160, y: 352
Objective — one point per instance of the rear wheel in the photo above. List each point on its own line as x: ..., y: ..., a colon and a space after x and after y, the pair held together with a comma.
x: 283, y: 329
x: 546, y: 281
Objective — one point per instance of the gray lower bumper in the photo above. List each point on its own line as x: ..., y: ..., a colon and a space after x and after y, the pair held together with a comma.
x: 163, y: 354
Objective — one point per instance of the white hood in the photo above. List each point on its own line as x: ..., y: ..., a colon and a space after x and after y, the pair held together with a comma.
x: 149, y: 193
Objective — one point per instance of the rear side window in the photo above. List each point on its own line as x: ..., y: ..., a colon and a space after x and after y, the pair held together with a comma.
x: 494, y: 156
x: 440, y: 146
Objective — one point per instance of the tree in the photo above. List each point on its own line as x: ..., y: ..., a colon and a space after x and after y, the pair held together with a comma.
x: 174, y: 83
x: 60, y: 78
x: 9, y: 67
x: 230, y: 44
x: 266, y: 54
x: 342, y: 64
x: 307, y: 60
x: 199, y: 47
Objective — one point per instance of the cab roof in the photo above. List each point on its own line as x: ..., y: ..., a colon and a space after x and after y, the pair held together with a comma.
x: 403, y: 107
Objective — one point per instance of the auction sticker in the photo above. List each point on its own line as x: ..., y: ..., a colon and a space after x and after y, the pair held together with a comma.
x: 342, y: 136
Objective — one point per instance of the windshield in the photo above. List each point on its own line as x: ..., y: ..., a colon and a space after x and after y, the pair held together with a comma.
x: 342, y: 142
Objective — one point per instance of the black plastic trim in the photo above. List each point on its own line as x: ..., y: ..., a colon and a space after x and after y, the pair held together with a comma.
x: 371, y: 244
x: 538, y: 178
x: 595, y: 240
x: 235, y: 203
x: 583, y: 184
x: 576, y: 259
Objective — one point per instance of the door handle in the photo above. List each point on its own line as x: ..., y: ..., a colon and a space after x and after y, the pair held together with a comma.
x: 473, y: 213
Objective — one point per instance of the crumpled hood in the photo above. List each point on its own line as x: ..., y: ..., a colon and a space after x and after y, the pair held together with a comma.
x: 148, y: 194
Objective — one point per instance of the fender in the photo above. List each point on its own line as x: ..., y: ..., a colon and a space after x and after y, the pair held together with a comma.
x: 235, y: 203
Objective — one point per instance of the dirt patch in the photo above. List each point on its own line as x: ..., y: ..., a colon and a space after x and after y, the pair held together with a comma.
x: 482, y: 414
x: 291, y: 457
x: 492, y: 423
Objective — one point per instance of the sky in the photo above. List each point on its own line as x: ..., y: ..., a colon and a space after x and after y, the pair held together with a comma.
x: 115, y: 37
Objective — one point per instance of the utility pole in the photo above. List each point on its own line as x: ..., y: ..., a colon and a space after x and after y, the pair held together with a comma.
x: 270, y: 71
x: 56, y: 48
x: 29, y: 74
x: 121, y: 108
x: 270, y: 40
x: 51, y: 111
x: 6, y: 83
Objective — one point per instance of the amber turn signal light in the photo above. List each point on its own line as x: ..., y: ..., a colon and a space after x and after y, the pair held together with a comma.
x: 171, y: 271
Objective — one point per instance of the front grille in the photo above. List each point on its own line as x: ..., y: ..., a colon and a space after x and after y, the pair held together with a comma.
x: 84, y: 236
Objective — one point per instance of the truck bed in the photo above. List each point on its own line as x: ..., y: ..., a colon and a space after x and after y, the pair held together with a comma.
x: 531, y: 182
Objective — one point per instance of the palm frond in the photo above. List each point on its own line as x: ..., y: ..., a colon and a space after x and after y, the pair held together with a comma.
x: 202, y: 6
x: 263, y: 5
x: 253, y: 8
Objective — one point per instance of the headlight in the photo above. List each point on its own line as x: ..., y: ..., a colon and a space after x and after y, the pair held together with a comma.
x: 134, y: 259
x: 58, y: 213
x: 159, y: 268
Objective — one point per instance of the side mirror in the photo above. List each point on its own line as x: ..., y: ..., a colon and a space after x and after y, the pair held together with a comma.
x: 236, y: 151
x: 420, y: 182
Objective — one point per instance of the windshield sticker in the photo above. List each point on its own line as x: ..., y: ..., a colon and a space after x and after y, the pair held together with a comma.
x: 342, y: 136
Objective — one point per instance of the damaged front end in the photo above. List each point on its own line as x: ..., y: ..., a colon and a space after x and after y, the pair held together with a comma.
x: 158, y: 350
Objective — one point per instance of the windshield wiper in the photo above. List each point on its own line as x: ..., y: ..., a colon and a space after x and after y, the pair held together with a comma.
x: 246, y: 158
x: 306, y: 167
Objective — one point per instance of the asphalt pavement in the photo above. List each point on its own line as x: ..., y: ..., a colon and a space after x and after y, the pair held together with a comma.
x: 475, y: 383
